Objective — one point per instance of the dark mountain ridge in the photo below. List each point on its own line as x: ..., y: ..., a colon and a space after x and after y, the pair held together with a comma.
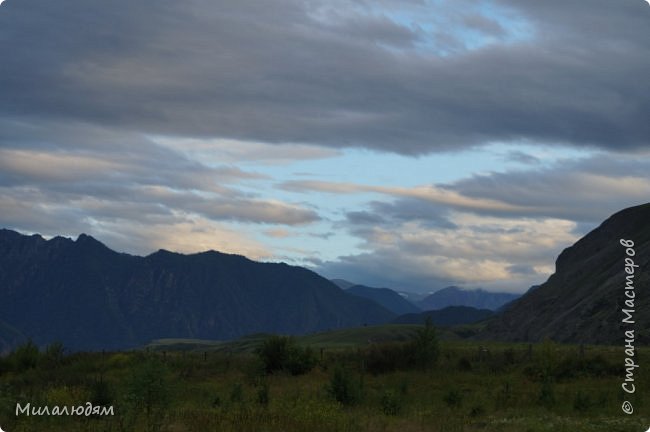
x: 89, y: 297
x: 449, y: 316
x: 385, y: 297
x: 582, y: 301
x: 455, y: 296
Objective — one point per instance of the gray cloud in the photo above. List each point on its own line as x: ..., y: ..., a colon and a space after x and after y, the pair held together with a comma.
x: 585, y: 190
x: 293, y: 73
x: 521, y: 157
x: 66, y: 179
x: 508, y: 247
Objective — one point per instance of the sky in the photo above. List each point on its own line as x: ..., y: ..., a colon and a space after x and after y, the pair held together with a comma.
x: 413, y: 144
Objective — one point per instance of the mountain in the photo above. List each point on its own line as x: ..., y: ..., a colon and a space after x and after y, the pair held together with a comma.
x: 582, y: 301
x: 342, y: 283
x: 89, y: 297
x: 413, y: 297
x: 449, y: 316
x: 454, y: 296
x: 385, y: 297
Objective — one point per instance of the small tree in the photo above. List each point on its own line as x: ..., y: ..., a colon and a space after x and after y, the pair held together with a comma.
x: 425, y: 346
x: 148, y: 392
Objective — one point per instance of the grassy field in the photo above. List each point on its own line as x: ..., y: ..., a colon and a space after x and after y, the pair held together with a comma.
x: 216, y: 386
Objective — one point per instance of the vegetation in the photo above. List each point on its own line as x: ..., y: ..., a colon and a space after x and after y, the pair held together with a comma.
x: 434, y: 386
x: 281, y: 353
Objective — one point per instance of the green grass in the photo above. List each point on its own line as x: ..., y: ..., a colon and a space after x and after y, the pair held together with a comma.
x: 498, y: 390
x: 335, y: 339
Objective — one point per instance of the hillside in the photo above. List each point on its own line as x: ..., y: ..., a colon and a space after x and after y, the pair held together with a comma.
x: 449, y: 316
x: 454, y: 296
x: 384, y: 297
x: 89, y: 297
x: 582, y: 301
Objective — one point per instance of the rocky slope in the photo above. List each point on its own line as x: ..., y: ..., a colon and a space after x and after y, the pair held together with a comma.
x: 582, y: 301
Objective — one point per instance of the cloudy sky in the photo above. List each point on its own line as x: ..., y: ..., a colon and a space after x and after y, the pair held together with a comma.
x: 403, y: 143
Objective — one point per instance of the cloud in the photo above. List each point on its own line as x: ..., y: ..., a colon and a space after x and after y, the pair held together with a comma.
x: 138, y: 122
x: 429, y: 193
x: 129, y: 191
x: 522, y: 157
x: 414, y: 238
x: 361, y: 74
x: 234, y: 151
x: 585, y: 190
x: 479, y: 252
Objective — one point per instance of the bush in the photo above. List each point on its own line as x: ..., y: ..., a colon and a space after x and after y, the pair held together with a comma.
x: 343, y: 388
x: 453, y: 398
x: 53, y: 355
x: 263, y: 393
x: 281, y: 353
x: 237, y: 393
x: 24, y: 357
x: 391, y: 403
x: 421, y: 352
x: 148, y: 393
x: 581, y: 401
x: 464, y: 364
x: 596, y: 366
x: 300, y: 360
x: 100, y: 393
x: 388, y: 357
x: 477, y: 411
x: 547, y: 392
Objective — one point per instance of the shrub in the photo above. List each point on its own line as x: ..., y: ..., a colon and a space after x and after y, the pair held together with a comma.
x: 388, y: 357
x: 421, y: 352
x: 391, y: 403
x: 148, y: 392
x: 100, y: 393
x: 263, y: 393
x: 343, y: 388
x: 476, y: 411
x: 581, y: 401
x: 464, y: 364
x: 24, y: 357
x: 237, y: 393
x: 281, y: 353
x: 300, y: 360
x: 547, y: 392
x: 425, y: 346
x: 596, y: 366
x: 453, y: 398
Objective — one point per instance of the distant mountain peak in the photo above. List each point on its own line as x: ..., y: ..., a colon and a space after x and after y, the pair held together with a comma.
x: 385, y: 297
x: 456, y: 296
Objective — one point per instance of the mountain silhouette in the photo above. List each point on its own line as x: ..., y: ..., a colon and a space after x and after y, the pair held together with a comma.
x: 455, y: 296
x: 449, y: 316
x: 386, y: 297
x: 582, y: 301
x: 90, y: 297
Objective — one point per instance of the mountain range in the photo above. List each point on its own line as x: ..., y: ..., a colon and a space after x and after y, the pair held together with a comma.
x: 455, y: 296
x: 385, y: 297
x: 449, y: 316
x: 90, y: 297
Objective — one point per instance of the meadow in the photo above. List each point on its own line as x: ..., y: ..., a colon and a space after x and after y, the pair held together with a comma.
x: 372, y: 379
